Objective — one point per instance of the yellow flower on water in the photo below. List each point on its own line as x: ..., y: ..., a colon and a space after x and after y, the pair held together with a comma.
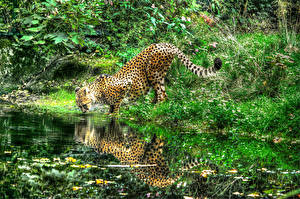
x: 204, y: 175
x: 232, y: 171
x: 76, y: 188
x: 265, y: 83
x: 99, y: 181
x: 88, y: 166
x: 70, y: 159
x: 254, y: 195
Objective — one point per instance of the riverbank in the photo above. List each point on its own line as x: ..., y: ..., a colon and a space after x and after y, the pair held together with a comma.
x: 187, y: 111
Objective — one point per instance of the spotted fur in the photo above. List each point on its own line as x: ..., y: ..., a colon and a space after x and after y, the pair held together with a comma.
x: 147, y: 69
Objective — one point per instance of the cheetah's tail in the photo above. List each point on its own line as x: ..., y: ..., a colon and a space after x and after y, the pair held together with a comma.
x: 197, y: 162
x: 199, y: 70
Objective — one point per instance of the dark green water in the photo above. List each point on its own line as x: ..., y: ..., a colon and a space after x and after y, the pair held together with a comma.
x: 26, y: 130
x: 95, y: 156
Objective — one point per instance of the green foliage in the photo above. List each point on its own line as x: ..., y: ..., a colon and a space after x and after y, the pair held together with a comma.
x: 62, y: 24
x: 44, y: 29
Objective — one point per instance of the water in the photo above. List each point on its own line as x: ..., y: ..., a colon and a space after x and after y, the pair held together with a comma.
x: 25, y: 130
x: 90, y: 155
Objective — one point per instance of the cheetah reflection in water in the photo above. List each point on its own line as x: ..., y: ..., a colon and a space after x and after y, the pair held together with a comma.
x: 129, y: 149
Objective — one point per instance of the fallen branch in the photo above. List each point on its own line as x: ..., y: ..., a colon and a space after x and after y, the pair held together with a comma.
x: 57, y: 60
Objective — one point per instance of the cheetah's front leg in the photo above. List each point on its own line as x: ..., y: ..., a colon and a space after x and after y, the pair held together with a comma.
x: 117, y: 93
x: 114, y: 109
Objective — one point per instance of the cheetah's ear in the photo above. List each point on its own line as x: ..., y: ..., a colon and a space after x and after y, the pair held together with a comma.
x: 77, y: 89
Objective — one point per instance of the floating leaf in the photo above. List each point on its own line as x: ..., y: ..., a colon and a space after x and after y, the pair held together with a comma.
x: 35, y: 29
x: 70, y: 159
x: 34, y: 22
x: 40, y: 42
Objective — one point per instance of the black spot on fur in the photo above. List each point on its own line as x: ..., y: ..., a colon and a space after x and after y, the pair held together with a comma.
x: 217, y: 63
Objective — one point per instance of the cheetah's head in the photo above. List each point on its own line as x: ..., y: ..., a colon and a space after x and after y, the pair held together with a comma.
x: 84, y: 98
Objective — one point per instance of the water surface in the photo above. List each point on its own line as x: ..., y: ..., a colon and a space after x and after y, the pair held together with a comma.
x: 91, y: 155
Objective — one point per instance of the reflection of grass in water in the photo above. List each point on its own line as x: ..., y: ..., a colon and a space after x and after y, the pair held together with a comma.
x: 232, y: 149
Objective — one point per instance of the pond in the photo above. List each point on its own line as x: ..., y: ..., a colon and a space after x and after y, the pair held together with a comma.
x: 92, y: 155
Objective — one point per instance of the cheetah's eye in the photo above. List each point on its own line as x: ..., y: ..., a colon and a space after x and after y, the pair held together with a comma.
x: 84, y: 106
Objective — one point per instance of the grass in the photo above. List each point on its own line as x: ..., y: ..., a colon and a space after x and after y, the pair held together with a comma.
x: 61, y: 101
x: 261, y: 116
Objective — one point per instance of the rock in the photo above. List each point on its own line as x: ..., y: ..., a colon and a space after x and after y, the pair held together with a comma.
x: 19, y: 97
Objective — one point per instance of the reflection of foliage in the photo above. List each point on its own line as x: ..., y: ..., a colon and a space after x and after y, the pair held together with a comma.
x: 246, y: 164
x: 78, y: 175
